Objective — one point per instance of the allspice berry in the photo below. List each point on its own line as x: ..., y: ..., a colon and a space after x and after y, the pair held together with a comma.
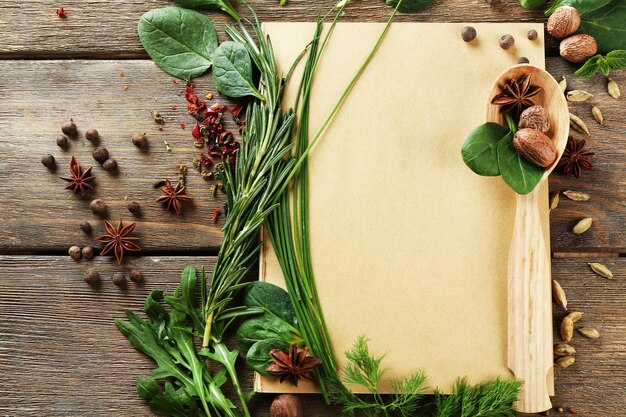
x: 85, y: 226
x: 563, y: 22
x: 91, y: 276
x: 286, y: 405
x: 136, y: 275
x: 523, y: 60
x: 119, y: 279
x: 88, y: 252
x: 98, y: 207
x: 62, y: 141
x: 110, y: 165
x: 91, y: 135
x: 578, y: 48
x: 506, y: 41
x: 535, y: 117
x: 532, y: 34
x: 140, y: 140
x: 69, y: 128
x: 468, y: 33
x: 48, y: 161
x: 75, y: 253
x: 100, y: 154
x: 134, y: 208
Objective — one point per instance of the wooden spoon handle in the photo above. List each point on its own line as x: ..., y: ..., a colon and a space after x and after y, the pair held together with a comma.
x: 530, y: 307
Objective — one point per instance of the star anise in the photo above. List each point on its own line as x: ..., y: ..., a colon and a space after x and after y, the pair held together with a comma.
x: 118, y: 240
x: 173, y: 196
x: 575, y: 157
x: 294, y: 365
x: 516, y: 95
x: 79, y: 181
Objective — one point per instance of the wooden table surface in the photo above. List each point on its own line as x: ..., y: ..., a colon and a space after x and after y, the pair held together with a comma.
x: 59, y: 351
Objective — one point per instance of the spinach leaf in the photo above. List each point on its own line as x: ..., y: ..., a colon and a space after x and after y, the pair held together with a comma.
x: 607, y: 25
x: 271, y: 299
x: 180, y: 41
x: 263, y: 327
x: 518, y: 173
x: 479, y: 150
x: 410, y: 6
x: 223, y: 5
x: 583, y: 6
x: 258, y: 356
x: 529, y: 4
x: 232, y: 71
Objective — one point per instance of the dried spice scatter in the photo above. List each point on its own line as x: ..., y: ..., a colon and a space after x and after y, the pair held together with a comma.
x: 110, y: 165
x: 92, y: 135
x: 575, y: 157
x: 516, y: 95
x: 507, y: 41
x: 119, y: 279
x: 62, y: 141
x: 468, y: 33
x: 88, y: 252
x: 80, y: 181
x: 156, y: 116
x: 140, y: 140
x: 75, y: 253
x: 85, y: 226
x: 61, y: 13
x: 532, y: 34
x: 173, y: 197
x: 91, y: 276
x: 48, y: 161
x: 216, y: 214
x: 294, y: 365
x: 136, y: 275
x: 100, y: 154
x: 98, y: 207
x: 134, y: 208
x: 118, y: 240
x: 69, y: 128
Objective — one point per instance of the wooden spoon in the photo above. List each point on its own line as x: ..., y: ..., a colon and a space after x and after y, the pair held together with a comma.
x: 529, y: 294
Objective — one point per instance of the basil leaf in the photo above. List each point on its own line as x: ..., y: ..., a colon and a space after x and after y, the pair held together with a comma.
x: 223, y: 5
x: 260, y: 328
x: 232, y: 71
x: 590, y: 67
x: 604, y: 67
x: 607, y: 25
x: 179, y: 41
x: 617, y: 59
x: 258, y: 356
x: 529, y: 4
x: 479, y: 150
x: 272, y: 299
x: 410, y: 6
x: 583, y: 6
x: 518, y: 173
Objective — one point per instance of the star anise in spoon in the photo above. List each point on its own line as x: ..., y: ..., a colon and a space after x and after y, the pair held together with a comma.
x: 575, y: 157
x: 294, y: 365
x: 118, y: 240
x: 80, y: 181
x: 173, y: 197
x: 516, y: 95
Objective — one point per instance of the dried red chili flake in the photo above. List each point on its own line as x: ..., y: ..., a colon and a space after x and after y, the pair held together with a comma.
x: 122, y: 74
x: 226, y: 138
x: 190, y: 95
x: 196, y: 131
x: 174, y: 81
x: 161, y: 128
x: 182, y: 126
x: 174, y: 107
x: 216, y: 214
x: 236, y: 110
x: 205, y: 161
x: 61, y: 13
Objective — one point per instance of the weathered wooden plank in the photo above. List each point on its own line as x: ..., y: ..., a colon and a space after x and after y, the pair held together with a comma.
x: 101, y: 29
x: 61, y: 355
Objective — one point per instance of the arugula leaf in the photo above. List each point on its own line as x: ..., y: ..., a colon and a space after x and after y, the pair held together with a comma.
x: 169, y: 401
x: 479, y: 150
x: 518, y: 173
x: 410, y: 6
x: 583, y: 6
x: 529, y: 4
x: 258, y: 356
x: 183, y: 299
x: 607, y: 25
x: 180, y: 41
x: 223, y: 5
x: 232, y: 71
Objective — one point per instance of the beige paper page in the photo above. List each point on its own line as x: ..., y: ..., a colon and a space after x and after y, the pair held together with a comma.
x: 409, y: 246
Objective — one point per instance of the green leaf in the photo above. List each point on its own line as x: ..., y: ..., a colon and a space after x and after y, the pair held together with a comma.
x: 223, y: 5
x: 183, y: 299
x: 180, y: 41
x: 604, y: 67
x: 263, y: 327
x: 590, y: 67
x: 617, y: 59
x: 410, y: 6
x: 272, y: 299
x: 258, y: 356
x: 530, y: 4
x: 607, y: 25
x: 479, y: 150
x: 583, y: 6
x: 232, y: 71
x: 518, y: 173
x: 167, y: 400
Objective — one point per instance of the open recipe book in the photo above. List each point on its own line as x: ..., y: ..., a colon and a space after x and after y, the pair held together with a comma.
x: 409, y: 247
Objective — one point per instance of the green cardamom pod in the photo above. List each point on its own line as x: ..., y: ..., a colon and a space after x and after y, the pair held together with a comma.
x: 567, y: 329
x: 563, y: 349
x: 613, y: 89
x: 554, y: 200
x: 575, y: 316
x: 577, y: 96
x: 582, y: 226
x: 565, y: 361
x: 577, y: 124
x: 559, y: 295
x: 597, y: 114
x: 589, y: 332
x: 576, y: 195
x: 601, y: 270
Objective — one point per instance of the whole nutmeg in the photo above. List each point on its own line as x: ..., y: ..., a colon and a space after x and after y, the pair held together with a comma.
x: 134, y: 207
x: 75, y: 253
x: 535, y: 147
x: 532, y: 34
x: 88, y: 252
x: 91, y: 134
x: 98, y: 207
x: 48, y: 161
x: 506, y: 41
x: 563, y: 22
x: 62, y: 141
x: 136, y: 275
x: 140, y: 140
x: 535, y: 117
x: 286, y: 405
x: 468, y: 33
x: 110, y: 165
x: 100, y: 154
x: 91, y: 276
x: 578, y: 48
x: 69, y: 128
x: 119, y: 279
x: 85, y: 226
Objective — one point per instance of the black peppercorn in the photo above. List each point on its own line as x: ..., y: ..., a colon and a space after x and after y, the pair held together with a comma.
x: 98, y: 207
x: 468, y: 33
x: 532, y: 34
x: 91, y: 276
x: 506, y: 41
x: 136, y: 275
x: 75, y: 253
x: 48, y: 161
x: 88, y: 252
x: 69, y: 128
x: 91, y: 134
x: 62, y: 141
x: 110, y: 165
x: 100, y: 154
x: 140, y: 140
x: 134, y: 207
x: 119, y: 279
x: 523, y: 60
x: 85, y: 226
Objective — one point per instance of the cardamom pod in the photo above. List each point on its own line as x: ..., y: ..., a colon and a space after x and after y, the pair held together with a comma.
x: 575, y: 316
x: 577, y: 124
x: 576, y: 195
x: 613, y: 89
x: 577, y: 96
x: 589, y: 332
x: 597, y: 114
x: 567, y: 329
x: 559, y: 295
x: 601, y: 270
x: 563, y: 349
x: 565, y: 361
x: 554, y: 200
x: 563, y: 84
x: 582, y: 226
